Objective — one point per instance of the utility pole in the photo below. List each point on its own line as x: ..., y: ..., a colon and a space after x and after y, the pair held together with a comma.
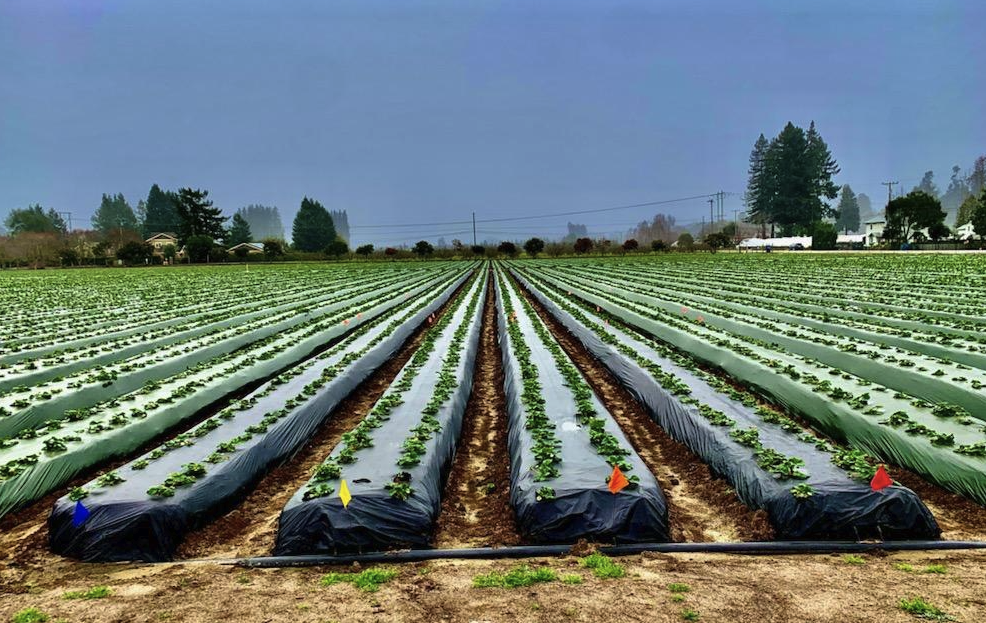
x: 473, y: 229
x: 890, y: 192
x: 68, y: 217
x: 712, y: 217
x: 736, y: 223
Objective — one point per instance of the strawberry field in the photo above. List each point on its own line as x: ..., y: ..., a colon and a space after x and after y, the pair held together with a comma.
x: 359, y: 407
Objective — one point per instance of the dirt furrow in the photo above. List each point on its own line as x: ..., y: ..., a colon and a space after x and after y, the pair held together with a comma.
x: 250, y: 529
x: 476, y: 509
x: 702, y: 507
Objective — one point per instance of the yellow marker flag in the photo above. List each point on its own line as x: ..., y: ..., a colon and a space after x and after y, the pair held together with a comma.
x: 344, y: 494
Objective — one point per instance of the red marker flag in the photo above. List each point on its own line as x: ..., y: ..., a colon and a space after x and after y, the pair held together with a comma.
x: 881, y: 480
x: 617, y: 481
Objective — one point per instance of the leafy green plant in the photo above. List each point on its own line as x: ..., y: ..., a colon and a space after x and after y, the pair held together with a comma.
x: 922, y: 609
x: 853, y: 559
x: 30, y: 615
x: 96, y: 592
x: 689, y: 615
x: 368, y: 581
x: 603, y: 566
x: 517, y: 577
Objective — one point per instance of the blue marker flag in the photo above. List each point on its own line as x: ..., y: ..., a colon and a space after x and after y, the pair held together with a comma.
x: 80, y: 515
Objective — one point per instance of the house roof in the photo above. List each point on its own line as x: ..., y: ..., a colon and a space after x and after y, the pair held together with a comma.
x: 873, y: 221
x: 164, y: 235
x: 251, y: 245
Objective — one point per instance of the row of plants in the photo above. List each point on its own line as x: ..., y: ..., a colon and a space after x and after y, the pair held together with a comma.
x: 193, y: 475
x: 929, y: 378
x: 562, y: 459
x: 34, y: 371
x: 58, y: 308
x: 41, y: 459
x: 396, y: 459
x: 953, y: 303
x: 846, y: 407
x: 920, y: 337
x: 28, y: 407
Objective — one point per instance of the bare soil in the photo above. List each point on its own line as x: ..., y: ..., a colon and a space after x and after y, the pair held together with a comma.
x: 702, y: 508
x: 811, y: 589
x: 476, y: 509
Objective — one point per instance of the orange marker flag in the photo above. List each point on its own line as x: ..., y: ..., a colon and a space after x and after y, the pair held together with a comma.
x: 881, y: 480
x: 617, y: 481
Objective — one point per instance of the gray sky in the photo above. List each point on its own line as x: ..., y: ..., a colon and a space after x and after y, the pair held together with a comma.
x: 405, y: 112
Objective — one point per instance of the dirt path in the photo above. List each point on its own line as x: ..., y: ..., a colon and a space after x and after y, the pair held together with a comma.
x: 702, y: 508
x: 767, y: 589
x: 250, y: 529
x: 476, y: 509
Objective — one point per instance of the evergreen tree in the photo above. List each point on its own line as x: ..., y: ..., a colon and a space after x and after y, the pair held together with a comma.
x: 848, y: 219
x: 340, y: 220
x: 35, y: 219
x: 114, y: 214
x: 161, y: 212
x: 966, y: 211
x: 865, y: 207
x: 821, y: 168
x: 927, y: 185
x: 956, y: 192
x: 239, y: 232
x: 979, y: 216
x: 796, y: 180
x: 265, y: 221
x: 197, y: 216
x: 312, y: 229
x: 757, y: 201
x: 977, y: 178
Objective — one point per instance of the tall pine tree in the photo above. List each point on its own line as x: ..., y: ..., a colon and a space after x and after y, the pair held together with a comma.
x: 313, y: 229
x: 239, y: 231
x: 161, y: 214
x: 197, y: 216
x: 265, y: 221
x: 114, y: 214
x: 795, y: 181
x: 848, y: 219
x: 756, y: 198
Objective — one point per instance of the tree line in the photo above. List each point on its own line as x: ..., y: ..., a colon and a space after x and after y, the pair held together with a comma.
x: 41, y: 236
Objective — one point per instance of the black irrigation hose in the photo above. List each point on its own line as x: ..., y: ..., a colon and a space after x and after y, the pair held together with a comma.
x: 528, y: 551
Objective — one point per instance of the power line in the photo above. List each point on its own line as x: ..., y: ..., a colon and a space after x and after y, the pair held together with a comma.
x: 537, y: 216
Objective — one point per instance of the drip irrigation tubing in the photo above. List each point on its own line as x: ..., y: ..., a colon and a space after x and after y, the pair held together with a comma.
x: 530, y: 551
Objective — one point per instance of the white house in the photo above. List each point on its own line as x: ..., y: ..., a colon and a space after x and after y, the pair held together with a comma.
x: 874, y: 231
x: 965, y: 232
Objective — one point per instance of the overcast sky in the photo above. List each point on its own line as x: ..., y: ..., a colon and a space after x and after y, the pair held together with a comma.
x: 405, y: 112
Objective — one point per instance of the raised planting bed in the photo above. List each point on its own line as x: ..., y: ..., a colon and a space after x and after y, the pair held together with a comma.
x: 396, y: 460
x: 942, y: 442
x: 147, y: 507
x: 37, y: 460
x: 564, y: 444
x: 810, y: 489
x: 31, y: 407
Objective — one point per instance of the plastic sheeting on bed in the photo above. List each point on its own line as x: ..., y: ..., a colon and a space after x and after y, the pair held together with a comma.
x: 840, y: 508
x: 583, y: 507
x: 124, y: 523
x: 375, y: 520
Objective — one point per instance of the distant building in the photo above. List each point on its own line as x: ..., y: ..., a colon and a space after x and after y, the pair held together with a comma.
x: 874, y: 231
x: 251, y: 247
x: 161, y: 240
